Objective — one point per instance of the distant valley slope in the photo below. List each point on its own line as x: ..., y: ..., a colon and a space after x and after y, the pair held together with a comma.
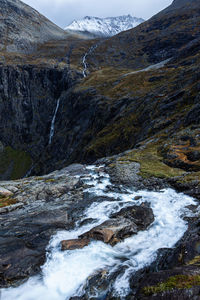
x: 22, y: 27
x: 104, y: 27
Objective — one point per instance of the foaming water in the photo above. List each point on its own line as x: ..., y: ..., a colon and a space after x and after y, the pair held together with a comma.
x: 84, y: 61
x: 64, y: 273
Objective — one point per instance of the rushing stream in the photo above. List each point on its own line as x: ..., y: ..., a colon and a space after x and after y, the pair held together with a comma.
x: 64, y: 273
x: 84, y: 61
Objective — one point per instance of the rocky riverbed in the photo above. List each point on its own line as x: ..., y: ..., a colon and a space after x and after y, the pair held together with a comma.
x: 41, y: 208
x: 114, y: 234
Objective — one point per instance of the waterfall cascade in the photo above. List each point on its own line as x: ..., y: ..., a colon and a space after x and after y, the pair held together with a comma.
x: 84, y: 61
x: 52, y: 130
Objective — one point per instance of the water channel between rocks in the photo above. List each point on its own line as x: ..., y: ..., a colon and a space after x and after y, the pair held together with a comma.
x: 65, y: 273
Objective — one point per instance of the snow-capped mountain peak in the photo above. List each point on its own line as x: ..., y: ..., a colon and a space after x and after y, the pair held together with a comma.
x: 104, y: 26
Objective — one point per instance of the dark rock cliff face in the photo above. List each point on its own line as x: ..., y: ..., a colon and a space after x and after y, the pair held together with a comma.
x: 28, y: 98
x: 89, y: 124
x: 112, y: 110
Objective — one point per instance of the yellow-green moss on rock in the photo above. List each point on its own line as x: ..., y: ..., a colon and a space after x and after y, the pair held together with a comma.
x: 174, y: 282
x: 195, y: 261
x: 151, y: 163
x: 6, y: 201
x: 189, y: 178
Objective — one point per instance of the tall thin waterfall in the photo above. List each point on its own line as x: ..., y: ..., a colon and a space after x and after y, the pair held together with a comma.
x: 52, y: 130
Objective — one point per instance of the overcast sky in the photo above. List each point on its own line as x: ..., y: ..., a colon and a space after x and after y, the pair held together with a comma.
x: 63, y: 12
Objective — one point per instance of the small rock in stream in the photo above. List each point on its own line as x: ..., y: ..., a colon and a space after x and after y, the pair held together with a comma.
x: 74, y: 244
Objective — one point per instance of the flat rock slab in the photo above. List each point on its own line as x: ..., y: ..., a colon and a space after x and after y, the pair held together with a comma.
x: 74, y: 244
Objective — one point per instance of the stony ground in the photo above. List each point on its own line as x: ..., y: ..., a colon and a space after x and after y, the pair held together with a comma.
x: 42, y: 206
x: 35, y: 208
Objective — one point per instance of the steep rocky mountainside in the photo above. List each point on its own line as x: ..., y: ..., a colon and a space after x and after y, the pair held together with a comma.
x: 153, y: 41
x: 104, y: 27
x: 115, y: 107
x: 22, y: 27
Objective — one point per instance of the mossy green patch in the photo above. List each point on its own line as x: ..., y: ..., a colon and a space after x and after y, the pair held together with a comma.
x: 6, y: 201
x: 195, y: 261
x: 114, y: 138
x: 39, y: 178
x: 50, y: 180
x: 191, y: 177
x: 120, y: 82
x: 14, y: 163
x: 174, y: 282
x: 151, y: 162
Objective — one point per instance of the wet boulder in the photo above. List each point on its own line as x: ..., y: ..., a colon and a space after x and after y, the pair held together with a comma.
x: 112, y: 231
x: 122, y: 225
x: 5, y: 193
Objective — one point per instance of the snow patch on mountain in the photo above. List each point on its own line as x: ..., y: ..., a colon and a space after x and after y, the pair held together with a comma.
x: 104, y: 26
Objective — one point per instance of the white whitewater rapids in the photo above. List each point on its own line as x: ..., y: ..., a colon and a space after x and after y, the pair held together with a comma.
x: 64, y: 273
